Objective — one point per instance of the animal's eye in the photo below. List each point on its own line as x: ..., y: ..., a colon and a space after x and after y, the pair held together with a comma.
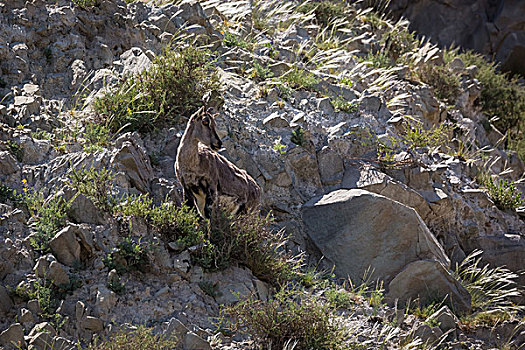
x: 205, y: 122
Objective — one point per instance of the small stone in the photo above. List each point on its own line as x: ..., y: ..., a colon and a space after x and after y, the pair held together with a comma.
x: 105, y: 301
x: 58, y: 275
x: 176, y: 328
x: 325, y: 105
x: 8, y: 163
x: 5, y: 301
x: 13, y: 337
x: 192, y: 341
x: 446, y: 319
x: 274, y: 120
x: 92, y: 324
x: 26, y: 316
x: 34, y: 306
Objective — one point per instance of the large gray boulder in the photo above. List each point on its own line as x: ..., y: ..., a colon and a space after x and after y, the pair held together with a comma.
x: 356, y: 230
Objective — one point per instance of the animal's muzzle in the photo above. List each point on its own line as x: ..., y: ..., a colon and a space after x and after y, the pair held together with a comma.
x: 216, y: 145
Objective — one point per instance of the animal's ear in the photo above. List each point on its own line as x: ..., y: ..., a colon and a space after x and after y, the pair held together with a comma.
x: 198, y: 115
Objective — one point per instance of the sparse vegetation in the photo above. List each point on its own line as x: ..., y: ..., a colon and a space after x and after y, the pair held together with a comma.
x: 446, y: 83
x: 49, y: 215
x: 95, y: 185
x: 248, y: 240
x: 503, y: 193
x: 141, y: 338
x: 492, y: 289
x: 86, y: 3
x: 173, y: 86
x: 340, y: 104
x: 299, y: 79
x: 298, y: 137
x: 231, y: 39
x: 325, y: 11
x: 15, y: 149
x: 260, y: 72
x: 501, y: 95
x: 129, y: 255
x: 290, y: 316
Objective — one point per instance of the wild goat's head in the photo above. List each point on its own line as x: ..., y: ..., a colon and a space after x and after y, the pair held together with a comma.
x: 204, y: 128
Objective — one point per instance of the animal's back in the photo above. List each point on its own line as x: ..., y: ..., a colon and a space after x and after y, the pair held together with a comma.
x: 232, y: 181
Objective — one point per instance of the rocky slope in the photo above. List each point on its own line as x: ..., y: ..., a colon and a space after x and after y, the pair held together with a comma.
x: 360, y: 163
x: 492, y: 27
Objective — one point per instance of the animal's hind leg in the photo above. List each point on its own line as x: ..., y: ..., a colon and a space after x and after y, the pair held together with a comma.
x: 200, y: 203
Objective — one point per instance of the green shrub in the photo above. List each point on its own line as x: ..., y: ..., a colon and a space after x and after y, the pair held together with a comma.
x: 41, y: 290
x: 504, y: 193
x: 325, y: 11
x: 414, y: 135
x: 446, y: 83
x: 86, y: 3
x: 95, y: 185
x: 129, y: 255
x: 298, y: 137
x: 299, y: 79
x: 15, y: 149
x: 261, y: 73
x: 49, y: 215
x: 172, y: 87
x: 41, y: 135
x: 96, y: 137
x: 248, y: 240
x: 377, y: 60
x: 231, y: 39
x: 340, y: 104
x: 290, y: 316
x: 177, y: 223
x: 140, y: 339
x: 501, y: 95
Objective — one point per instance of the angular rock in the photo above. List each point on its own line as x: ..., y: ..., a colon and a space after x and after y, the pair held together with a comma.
x: 105, y: 300
x: 331, y: 168
x: 357, y: 229
x: 192, y: 341
x: 8, y: 163
x: 5, y: 301
x: 82, y: 209
x: 57, y: 274
x: 132, y: 160
x: 446, y: 319
x: 13, y: 337
x: 425, y: 279
x: 41, y: 336
x: 176, y: 328
x: 92, y: 324
x: 72, y: 244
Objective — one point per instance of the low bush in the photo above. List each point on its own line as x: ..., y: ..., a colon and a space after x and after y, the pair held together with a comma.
x: 291, y: 316
x: 49, y: 215
x: 129, y: 255
x: 299, y: 79
x: 248, y: 240
x: 325, y: 11
x: 173, y: 86
x: 95, y: 185
x: 503, y: 193
x: 141, y: 338
x: 446, y: 83
x: 501, y: 95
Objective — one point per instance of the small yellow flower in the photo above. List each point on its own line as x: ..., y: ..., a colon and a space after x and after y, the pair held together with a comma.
x: 25, y: 189
x: 24, y: 181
